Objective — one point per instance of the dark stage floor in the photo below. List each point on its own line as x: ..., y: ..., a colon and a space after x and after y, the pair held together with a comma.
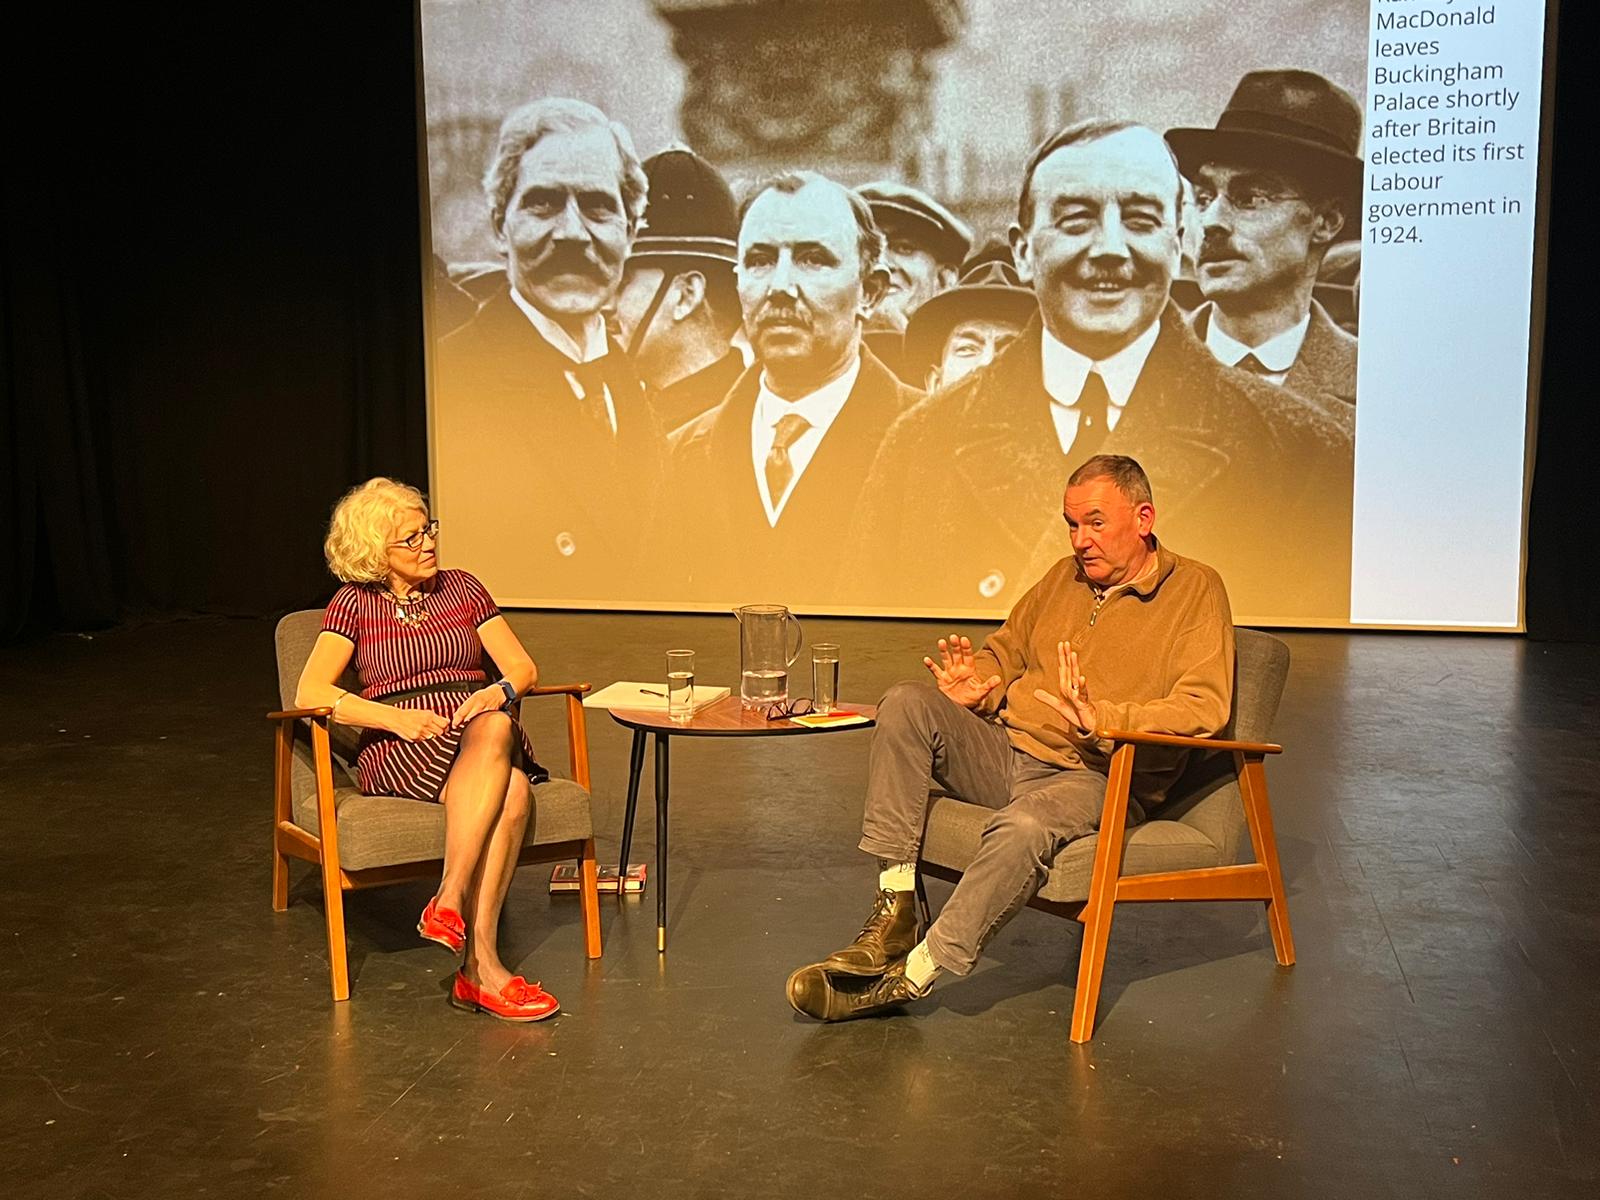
x: 165, y: 1034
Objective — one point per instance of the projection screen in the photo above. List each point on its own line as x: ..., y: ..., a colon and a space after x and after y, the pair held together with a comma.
x: 737, y: 301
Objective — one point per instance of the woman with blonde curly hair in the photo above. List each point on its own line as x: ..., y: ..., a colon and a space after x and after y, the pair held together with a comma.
x: 433, y: 726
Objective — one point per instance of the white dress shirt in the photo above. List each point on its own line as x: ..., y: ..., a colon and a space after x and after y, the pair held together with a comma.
x: 1066, y: 371
x: 1276, y: 354
x: 594, y: 345
x: 820, y: 408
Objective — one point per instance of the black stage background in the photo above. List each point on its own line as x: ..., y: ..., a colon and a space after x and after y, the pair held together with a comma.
x: 212, y: 306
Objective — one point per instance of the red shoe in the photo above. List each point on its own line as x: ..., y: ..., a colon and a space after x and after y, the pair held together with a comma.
x: 519, y: 1000
x: 443, y: 925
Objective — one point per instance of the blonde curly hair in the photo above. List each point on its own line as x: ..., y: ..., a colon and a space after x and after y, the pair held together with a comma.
x: 363, y: 524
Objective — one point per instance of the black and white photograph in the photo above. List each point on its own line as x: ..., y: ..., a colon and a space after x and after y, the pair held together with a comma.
x: 836, y: 296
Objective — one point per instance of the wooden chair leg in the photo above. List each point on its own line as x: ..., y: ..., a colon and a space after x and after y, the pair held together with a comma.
x: 1091, y: 969
x: 282, y: 780
x: 338, y: 955
x: 1258, y: 819
x: 328, y: 834
x: 589, y: 899
x: 280, y: 880
x: 1096, y: 915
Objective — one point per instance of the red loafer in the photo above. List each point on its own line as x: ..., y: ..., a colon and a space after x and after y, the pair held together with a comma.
x: 519, y: 1000
x: 443, y: 925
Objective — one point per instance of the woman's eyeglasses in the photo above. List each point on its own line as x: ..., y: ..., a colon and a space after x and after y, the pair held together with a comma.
x: 414, y: 541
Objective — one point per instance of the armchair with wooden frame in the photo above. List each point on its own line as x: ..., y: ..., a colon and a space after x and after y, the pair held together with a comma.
x: 359, y: 841
x: 1189, y: 852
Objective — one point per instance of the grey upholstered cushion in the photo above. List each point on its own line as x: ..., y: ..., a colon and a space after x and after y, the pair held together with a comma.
x: 379, y: 831
x: 1200, y: 825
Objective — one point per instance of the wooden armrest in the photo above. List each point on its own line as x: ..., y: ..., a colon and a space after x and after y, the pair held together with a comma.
x: 558, y: 689
x: 1189, y: 743
x: 294, y: 714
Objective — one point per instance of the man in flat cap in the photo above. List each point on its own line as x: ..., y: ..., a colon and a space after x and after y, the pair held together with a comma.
x: 962, y: 511
x: 533, y: 402
x: 1277, y: 183
x: 763, y: 484
x: 924, y: 245
x: 678, y: 306
x: 962, y: 330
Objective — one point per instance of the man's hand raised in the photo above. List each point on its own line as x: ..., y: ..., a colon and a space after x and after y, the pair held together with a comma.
x: 1073, y: 703
x: 956, y: 674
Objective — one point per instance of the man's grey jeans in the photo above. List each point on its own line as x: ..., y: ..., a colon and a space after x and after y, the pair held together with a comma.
x: 924, y: 740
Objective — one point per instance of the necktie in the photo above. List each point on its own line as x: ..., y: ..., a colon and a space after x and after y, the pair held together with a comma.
x: 780, y: 471
x: 1091, y: 408
x: 1253, y: 365
x: 591, y: 377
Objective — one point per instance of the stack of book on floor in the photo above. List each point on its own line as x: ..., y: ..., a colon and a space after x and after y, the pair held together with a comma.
x: 565, y: 878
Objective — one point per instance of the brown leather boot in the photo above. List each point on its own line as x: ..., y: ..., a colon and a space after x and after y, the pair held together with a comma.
x: 888, y: 935
x: 815, y: 993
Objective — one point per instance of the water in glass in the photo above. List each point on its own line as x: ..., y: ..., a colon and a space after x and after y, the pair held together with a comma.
x: 680, y: 695
x: 825, y: 678
x: 680, y: 684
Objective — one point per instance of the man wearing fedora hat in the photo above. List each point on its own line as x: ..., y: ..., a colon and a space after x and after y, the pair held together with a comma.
x: 924, y: 245
x: 962, y: 329
x: 962, y: 510
x: 678, y: 306
x: 1277, y: 183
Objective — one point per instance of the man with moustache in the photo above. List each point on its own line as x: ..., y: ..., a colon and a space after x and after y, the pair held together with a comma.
x: 1277, y: 184
x: 762, y: 484
x: 545, y: 449
x: 924, y: 245
x: 961, y: 509
x: 678, y: 307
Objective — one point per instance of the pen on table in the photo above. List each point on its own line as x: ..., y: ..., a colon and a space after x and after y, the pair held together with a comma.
x: 649, y: 692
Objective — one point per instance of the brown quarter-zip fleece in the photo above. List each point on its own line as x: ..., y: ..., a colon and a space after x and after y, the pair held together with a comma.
x: 1156, y: 657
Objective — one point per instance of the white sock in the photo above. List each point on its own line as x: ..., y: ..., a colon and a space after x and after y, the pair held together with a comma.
x: 921, y: 970
x: 898, y: 877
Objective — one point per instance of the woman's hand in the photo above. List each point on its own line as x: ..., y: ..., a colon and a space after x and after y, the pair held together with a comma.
x: 481, y: 701
x: 416, y: 724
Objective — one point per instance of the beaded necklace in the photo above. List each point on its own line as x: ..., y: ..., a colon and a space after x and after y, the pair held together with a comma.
x: 408, y: 609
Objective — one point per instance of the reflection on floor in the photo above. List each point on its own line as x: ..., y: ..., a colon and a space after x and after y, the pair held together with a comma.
x: 166, y: 1034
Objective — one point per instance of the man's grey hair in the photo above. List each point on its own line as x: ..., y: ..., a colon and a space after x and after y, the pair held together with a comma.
x: 1123, y: 472
x: 869, y: 238
x: 525, y: 126
x: 1076, y: 134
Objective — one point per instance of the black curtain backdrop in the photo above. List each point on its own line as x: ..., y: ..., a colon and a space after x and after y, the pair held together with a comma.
x: 1564, y: 508
x: 212, y: 303
x: 211, y: 295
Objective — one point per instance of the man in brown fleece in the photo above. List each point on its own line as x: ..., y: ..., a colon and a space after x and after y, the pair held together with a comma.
x: 1122, y: 635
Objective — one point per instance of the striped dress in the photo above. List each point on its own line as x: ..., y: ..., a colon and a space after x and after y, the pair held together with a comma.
x: 434, y: 663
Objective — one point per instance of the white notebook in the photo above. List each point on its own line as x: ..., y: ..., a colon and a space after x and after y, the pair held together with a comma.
x: 649, y: 696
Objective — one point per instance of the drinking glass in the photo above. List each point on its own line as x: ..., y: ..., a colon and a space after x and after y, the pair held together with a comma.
x: 825, y: 676
x: 680, y: 684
